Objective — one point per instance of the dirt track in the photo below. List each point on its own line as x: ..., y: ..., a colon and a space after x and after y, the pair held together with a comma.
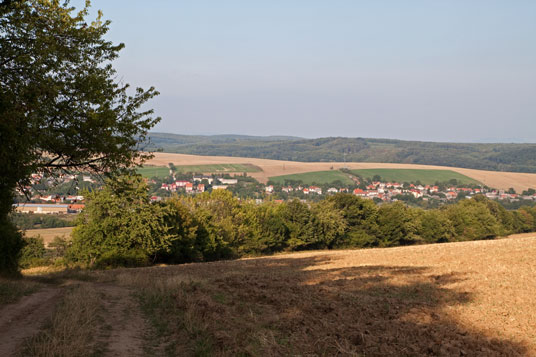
x: 123, y: 322
x: 25, y: 318
x: 500, y: 180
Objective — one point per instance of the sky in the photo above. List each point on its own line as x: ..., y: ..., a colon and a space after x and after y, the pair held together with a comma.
x: 432, y: 70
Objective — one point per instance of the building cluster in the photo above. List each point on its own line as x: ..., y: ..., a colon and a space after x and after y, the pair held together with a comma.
x: 196, y: 185
x: 48, y: 208
x: 388, y: 191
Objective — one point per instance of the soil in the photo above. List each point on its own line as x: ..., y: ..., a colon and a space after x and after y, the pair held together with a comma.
x: 25, y: 318
x: 124, y: 326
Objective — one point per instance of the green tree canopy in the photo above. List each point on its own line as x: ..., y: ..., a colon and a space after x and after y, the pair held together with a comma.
x: 119, y: 222
x: 62, y: 107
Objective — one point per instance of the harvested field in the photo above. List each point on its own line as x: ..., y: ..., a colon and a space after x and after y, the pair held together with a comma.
x: 271, y: 168
x: 48, y: 234
x: 150, y: 171
x: 470, y: 298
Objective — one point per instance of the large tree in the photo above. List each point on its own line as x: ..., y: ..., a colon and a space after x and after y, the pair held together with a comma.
x: 62, y: 107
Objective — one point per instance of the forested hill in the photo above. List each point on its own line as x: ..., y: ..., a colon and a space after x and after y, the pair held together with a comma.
x: 496, y: 157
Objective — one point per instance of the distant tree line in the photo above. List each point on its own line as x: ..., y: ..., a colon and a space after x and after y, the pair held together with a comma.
x: 120, y: 227
x: 496, y: 157
x: 33, y: 221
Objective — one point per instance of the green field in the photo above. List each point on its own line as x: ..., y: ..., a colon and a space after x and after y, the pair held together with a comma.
x: 154, y: 171
x: 317, y: 177
x: 162, y: 172
x: 426, y: 177
x: 219, y: 168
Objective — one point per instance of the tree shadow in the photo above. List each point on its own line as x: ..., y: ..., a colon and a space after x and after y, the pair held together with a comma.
x: 311, y: 306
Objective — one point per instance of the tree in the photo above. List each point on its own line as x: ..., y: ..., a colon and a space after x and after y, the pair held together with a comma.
x: 361, y: 220
x: 397, y: 226
x: 120, y: 224
x: 61, y: 107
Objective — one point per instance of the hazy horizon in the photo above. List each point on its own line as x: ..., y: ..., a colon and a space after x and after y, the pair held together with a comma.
x: 483, y: 141
x: 414, y: 70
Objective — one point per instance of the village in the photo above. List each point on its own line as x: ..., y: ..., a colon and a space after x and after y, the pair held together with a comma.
x: 248, y: 188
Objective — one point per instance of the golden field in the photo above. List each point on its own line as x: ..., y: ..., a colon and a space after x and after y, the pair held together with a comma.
x: 453, y: 299
x: 48, y: 234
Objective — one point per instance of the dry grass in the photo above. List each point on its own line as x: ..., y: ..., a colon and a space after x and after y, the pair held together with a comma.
x: 48, y: 234
x: 13, y: 290
x: 73, y: 328
x: 270, y: 168
x: 470, y: 298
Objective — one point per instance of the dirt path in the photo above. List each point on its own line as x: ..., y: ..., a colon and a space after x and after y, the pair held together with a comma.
x: 24, y: 319
x: 124, y: 326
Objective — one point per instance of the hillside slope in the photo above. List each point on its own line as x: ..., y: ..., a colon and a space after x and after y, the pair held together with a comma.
x: 495, y: 157
x: 271, y: 168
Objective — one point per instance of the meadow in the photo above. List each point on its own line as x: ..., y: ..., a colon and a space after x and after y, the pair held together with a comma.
x: 464, y: 298
x: 150, y: 171
x: 426, y: 177
x: 317, y: 177
x: 163, y: 172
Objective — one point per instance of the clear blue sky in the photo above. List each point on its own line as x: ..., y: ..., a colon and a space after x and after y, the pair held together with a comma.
x: 433, y: 70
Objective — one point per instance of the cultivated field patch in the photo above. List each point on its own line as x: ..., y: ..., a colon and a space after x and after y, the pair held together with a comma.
x: 426, y: 177
x: 153, y: 171
x: 48, y: 234
x: 161, y: 172
x: 218, y: 168
x: 318, y: 177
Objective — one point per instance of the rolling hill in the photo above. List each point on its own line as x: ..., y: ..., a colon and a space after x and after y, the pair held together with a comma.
x: 272, y: 168
x: 493, y: 157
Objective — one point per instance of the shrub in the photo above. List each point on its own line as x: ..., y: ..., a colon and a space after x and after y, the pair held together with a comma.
x: 33, y: 253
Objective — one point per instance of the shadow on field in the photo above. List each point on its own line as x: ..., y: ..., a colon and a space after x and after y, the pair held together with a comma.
x: 311, y: 306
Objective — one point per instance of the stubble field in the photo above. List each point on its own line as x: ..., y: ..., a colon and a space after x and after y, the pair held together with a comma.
x: 455, y: 299
x: 48, y: 234
x: 271, y: 168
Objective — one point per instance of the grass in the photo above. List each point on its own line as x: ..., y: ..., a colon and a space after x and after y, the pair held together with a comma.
x: 73, y: 327
x: 395, y: 301
x: 317, y: 177
x: 426, y: 177
x: 219, y: 168
x: 477, y: 296
x: 154, y: 171
x: 13, y: 290
x: 163, y: 172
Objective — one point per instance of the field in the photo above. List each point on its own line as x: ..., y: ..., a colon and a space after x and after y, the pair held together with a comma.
x: 219, y: 168
x: 163, y: 172
x: 468, y: 298
x: 426, y: 177
x: 318, y: 177
x: 154, y: 171
x: 48, y: 234
x: 272, y: 168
